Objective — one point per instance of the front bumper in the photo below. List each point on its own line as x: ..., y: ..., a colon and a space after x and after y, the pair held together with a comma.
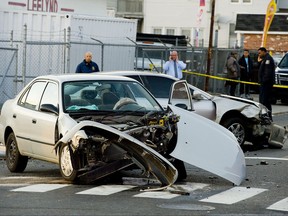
x: 278, y: 135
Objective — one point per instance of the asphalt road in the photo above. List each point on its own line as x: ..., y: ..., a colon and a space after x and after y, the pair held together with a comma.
x: 40, y: 190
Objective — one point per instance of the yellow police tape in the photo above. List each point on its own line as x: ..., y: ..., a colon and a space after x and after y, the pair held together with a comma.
x: 226, y: 79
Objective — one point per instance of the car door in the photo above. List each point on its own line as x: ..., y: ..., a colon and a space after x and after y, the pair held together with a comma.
x: 201, y: 142
x: 34, y: 129
x: 45, y: 125
x: 180, y: 96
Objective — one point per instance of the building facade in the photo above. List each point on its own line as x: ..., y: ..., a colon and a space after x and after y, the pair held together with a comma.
x: 192, y: 18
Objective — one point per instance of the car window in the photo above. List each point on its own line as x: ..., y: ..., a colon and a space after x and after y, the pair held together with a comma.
x: 32, y: 97
x: 105, y: 95
x: 158, y: 86
x: 136, y: 78
x: 284, y: 62
x: 50, y: 95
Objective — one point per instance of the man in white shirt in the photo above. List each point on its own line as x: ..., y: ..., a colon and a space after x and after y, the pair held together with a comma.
x: 174, y: 66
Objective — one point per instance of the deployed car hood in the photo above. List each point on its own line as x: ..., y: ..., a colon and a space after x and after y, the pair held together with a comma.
x: 209, y: 146
x: 141, y: 154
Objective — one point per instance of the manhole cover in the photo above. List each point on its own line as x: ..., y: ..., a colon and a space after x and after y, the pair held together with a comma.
x: 187, y: 207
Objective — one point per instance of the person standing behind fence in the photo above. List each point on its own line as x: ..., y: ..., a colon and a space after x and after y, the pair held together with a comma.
x: 87, y: 65
x: 246, y: 70
x: 174, y: 66
x: 266, y: 78
x: 233, y: 72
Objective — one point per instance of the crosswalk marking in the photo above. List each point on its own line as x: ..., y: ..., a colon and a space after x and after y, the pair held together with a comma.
x: 233, y: 195
x: 170, y: 192
x: 40, y: 188
x: 106, y: 189
x: 157, y: 195
x: 282, y: 205
x: 230, y: 196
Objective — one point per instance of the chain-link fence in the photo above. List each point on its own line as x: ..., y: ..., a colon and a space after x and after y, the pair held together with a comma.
x: 21, y: 61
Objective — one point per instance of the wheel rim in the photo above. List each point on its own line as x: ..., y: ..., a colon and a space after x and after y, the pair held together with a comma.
x: 65, y: 162
x: 239, y: 132
x: 12, y: 152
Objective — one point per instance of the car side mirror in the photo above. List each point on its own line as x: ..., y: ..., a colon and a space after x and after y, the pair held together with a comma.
x: 197, y: 96
x: 183, y: 106
x: 49, y: 108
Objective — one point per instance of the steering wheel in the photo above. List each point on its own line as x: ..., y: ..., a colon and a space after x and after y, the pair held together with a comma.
x: 123, y: 102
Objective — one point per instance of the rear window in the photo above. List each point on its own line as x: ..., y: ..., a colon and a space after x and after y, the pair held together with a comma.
x: 158, y: 86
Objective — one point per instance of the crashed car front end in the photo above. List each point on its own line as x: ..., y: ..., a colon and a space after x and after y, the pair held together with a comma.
x: 96, y: 150
x: 260, y: 127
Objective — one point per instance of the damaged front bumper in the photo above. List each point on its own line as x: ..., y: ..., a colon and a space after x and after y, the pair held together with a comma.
x: 116, y: 150
x: 278, y: 135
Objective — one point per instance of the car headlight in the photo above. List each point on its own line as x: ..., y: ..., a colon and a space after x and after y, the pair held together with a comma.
x: 263, y: 109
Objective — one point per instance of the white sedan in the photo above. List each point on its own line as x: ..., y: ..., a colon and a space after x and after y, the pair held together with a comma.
x: 95, y: 125
x: 246, y: 119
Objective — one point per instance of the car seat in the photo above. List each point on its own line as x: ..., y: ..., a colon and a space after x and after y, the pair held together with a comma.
x: 109, y: 100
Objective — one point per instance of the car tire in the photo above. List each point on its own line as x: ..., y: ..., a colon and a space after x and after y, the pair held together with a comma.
x: 66, y: 168
x: 14, y: 160
x: 179, y: 165
x: 236, y: 126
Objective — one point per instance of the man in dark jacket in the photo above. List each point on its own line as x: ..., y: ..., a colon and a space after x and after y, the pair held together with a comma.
x: 246, y: 70
x: 87, y: 65
x: 266, y: 78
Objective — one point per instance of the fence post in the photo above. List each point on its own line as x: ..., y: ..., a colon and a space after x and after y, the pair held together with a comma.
x: 24, y: 55
x: 68, y: 47
x: 102, y: 52
x: 16, y: 71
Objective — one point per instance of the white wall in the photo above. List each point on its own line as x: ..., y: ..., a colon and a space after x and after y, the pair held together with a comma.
x: 179, y: 14
x: 87, y: 7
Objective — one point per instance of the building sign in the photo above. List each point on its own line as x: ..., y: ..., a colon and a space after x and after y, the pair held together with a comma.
x: 42, y: 5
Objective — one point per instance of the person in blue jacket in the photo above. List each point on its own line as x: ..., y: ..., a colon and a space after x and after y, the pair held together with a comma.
x: 87, y: 65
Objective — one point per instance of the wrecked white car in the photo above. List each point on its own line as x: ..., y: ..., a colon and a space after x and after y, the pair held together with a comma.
x: 96, y: 125
x: 246, y: 119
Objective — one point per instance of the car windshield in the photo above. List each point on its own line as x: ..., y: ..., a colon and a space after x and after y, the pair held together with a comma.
x: 107, y: 95
x: 284, y: 62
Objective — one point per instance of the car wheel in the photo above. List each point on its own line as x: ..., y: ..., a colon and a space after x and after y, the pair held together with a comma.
x: 179, y: 165
x: 236, y: 126
x: 14, y: 160
x: 66, y: 168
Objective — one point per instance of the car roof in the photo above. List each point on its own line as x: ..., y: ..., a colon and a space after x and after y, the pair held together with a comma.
x: 137, y: 73
x: 83, y: 76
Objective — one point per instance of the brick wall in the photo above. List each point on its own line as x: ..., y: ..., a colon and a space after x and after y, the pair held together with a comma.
x: 275, y: 43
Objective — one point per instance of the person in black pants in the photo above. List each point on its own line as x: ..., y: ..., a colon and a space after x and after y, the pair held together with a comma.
x: 246, y: 71
x: 266, y: 78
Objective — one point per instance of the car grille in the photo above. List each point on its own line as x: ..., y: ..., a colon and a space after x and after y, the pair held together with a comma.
x: 283, y: 79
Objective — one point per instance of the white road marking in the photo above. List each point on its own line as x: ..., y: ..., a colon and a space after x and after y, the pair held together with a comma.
x: 157, y: 195
x: 106, y: 189
x: 170, y: 192
x: 233, y: 195
x: 282, y: 205
x: 266, y: 158
x: 40, y: 188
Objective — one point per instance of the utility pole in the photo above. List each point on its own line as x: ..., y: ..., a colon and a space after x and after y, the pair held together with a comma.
x: 210, y: 45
